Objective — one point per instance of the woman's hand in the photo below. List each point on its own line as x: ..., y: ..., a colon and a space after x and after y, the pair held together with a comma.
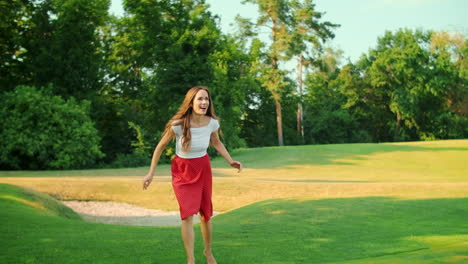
x: 147, y: 181
x: 236, y: 164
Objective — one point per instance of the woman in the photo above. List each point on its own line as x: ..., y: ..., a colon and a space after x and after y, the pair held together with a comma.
x: 194, y: 126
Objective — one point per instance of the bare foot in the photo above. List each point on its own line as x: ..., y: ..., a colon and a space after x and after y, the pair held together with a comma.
x: 210, y: 259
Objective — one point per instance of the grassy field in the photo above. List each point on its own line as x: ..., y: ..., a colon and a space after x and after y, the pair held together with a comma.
x: 350, y: 203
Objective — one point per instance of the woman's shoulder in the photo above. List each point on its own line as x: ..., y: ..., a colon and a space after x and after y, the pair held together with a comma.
x: 177, y: 126
x: 214, y: 122
x: 177, y: 122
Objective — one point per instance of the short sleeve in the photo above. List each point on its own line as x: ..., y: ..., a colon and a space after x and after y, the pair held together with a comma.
x: 177, y: 130
x: 215, y: 125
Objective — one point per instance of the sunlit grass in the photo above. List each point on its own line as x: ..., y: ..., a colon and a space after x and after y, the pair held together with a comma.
x: 358, y: 230
x: 344, y: 230
x: 436, y: 169
x: 353, y: 203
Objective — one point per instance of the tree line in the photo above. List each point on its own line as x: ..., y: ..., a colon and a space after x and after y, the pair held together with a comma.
x: 82, y: 88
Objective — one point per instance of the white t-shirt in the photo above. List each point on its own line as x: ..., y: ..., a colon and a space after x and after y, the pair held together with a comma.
x: 199, y: 142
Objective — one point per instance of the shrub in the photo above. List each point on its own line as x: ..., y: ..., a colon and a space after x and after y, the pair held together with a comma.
x: 134, y: 159
x: 332, y: 127
x: 42, y: 131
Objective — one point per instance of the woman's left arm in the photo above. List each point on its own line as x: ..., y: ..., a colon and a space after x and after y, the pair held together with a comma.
x: 219, y: 146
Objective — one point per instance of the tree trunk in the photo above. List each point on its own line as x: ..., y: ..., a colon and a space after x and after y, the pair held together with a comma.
x: 277, y: 97
x: 279, y: 122
x: 396, y: 136
x: 300, y: 127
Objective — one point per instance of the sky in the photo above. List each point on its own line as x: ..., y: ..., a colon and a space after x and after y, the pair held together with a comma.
x: 362, y: 21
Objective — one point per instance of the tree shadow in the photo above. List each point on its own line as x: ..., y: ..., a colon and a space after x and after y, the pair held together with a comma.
x: 335, y: 230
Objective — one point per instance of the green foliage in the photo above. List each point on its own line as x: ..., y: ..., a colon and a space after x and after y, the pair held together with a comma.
x: 339, y: 121
x: 112, y: 114
x: 181, y: 58
x: 141, y: 151
x: 133, y: 159
x: 258, y: 121
x: 404, y: 89
x: 412, y: 86
x: 139, y: 145
x: 274, y: 14
x: 42, y: 131
x: 294, y: 26
x: 63, y: 47
x: 415, y: 83
x: 327, y: 105
x: 326, y: 122
x: 230, y: 83
x: 15, y: 18
x: 190, y: 51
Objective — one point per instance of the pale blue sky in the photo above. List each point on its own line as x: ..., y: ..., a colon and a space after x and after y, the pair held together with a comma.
x: 362, y: 21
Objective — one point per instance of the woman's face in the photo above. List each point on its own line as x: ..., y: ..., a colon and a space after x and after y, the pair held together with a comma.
x: 201, y: 102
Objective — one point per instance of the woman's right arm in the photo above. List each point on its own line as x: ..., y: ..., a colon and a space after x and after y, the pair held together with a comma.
x: 156, y: 155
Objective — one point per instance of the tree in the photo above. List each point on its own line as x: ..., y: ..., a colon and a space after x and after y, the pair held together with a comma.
x: 450, y: 53
x: 64, y: 46
x: 309, y: 35
x: 231, y: 80
x: 43, y: 131
x: 295, y: 29
x: 329, y: 118
x: 275, y: 15
x: 451, y: 49
x: 122, y: 98
x: 412, y: 85
x: 186, y: 36
x: 163, y: 48
x: 357, y: 95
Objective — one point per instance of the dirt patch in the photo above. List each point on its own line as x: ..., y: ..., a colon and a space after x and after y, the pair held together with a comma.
x: 124, y: 214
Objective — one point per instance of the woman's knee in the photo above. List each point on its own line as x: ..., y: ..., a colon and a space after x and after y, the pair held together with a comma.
x: 202, y: 217
x: 188, y: 219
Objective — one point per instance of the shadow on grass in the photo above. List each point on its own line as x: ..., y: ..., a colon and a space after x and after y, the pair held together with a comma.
x: 336, y: 230
x: 275, y: 157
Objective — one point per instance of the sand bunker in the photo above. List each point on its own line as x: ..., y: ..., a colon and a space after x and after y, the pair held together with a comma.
x: 124, y: 214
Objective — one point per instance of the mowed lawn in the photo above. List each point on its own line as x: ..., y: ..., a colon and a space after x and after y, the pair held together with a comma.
x: 349, y: 203
x: 417, y: 170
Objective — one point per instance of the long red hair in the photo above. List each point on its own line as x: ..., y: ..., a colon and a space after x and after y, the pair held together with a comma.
x: 185, y: 113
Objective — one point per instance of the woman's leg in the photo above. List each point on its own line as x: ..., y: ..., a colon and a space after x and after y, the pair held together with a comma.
x: 188, y: 236
x: 207, y: 230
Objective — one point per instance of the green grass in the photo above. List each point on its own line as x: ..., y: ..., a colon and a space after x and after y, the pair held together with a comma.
x: 32, y: 234
x: 355, y: 230
x: 350, y: 203
x: 337, y: 230
x: 446, y: 158
x: 411, y: 161
x: 412, y: 170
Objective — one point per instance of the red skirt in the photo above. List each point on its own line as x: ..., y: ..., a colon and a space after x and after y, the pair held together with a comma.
x: 192, y: 183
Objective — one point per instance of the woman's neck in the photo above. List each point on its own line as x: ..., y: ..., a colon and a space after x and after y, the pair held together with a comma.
x: 198, y: 119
